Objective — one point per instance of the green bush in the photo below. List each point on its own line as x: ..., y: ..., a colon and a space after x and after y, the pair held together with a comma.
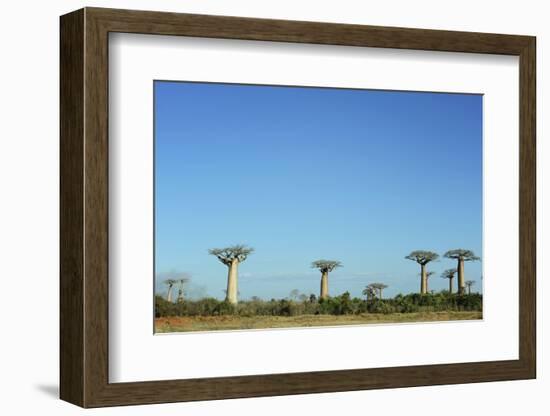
x: 342, y: 304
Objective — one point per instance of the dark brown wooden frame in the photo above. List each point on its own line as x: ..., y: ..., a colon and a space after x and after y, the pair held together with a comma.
x: 84, y: 207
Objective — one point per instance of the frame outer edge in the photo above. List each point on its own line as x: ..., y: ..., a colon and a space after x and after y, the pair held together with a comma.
x: 84, y: 208
x: 71, y: 319
x: 528, y: 209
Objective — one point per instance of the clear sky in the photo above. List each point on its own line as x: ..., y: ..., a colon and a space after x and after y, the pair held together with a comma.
x: 301, y: 174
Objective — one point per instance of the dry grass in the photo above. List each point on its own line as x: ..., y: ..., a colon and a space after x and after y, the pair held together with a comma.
x: 229, y: 322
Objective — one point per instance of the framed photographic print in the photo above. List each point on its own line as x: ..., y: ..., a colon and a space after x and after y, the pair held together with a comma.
x: 255, y: 207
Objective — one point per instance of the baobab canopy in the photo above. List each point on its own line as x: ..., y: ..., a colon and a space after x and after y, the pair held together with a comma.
x: 448, y: 274
x: 326, y: 265
x: 461, y: 254
x: 422, y: 256
x: 229, y: 254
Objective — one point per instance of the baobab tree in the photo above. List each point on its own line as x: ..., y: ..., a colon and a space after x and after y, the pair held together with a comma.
x: 181, y: 282
x: 469, y: 284
x: 325, y: 266
x: 423, y: 257
x: 428, y: 275
x: 461, y: 255
x: 449, y: 274
x: 294, y: 294
x: 370, y: 292
x: 232, y: 256
x: 170, y: 283
x: 380, y: 287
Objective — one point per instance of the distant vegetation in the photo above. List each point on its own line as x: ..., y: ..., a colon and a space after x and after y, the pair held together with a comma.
x: 343, y: 304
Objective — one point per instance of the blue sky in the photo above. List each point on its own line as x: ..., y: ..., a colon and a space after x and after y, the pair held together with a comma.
x: 300, y: 174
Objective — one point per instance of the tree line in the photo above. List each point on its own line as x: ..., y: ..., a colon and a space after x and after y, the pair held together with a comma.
x: 233, y: 256
x: 301, y: 304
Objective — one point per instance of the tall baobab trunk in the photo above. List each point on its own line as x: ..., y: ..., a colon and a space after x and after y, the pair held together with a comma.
x: 324, y: 285
x: 423, y: 280
x: 469, y: 290
x: 451, y: 286
x: 461, y: 284
x: 232, y: 274
x: 231, y: 257
x: 428, y: 274
x: 169, y: 295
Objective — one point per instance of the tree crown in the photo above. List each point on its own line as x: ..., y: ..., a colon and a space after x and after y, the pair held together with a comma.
x: 170, y: 282
x: 448, y: 274
x: 326, y: 265
x: 422, y: 257
x: 369, y: 291
x: 229, y: 254
x: 378, y: 286
x: 469, y: 282
x: 461, y: 254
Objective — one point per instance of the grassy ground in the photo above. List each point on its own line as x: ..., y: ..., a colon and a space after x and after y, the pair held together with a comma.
x: 210, y: 323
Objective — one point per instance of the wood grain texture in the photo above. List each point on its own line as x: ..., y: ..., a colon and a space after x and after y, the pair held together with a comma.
x: 527, y: 208
x: 71, y: 100
x: 84, y: 207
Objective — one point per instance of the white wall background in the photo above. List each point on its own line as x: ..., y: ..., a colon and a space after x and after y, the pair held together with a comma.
x: 29, y: 83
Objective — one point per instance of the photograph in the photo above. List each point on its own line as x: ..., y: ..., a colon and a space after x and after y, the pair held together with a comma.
x: 284, y: 206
